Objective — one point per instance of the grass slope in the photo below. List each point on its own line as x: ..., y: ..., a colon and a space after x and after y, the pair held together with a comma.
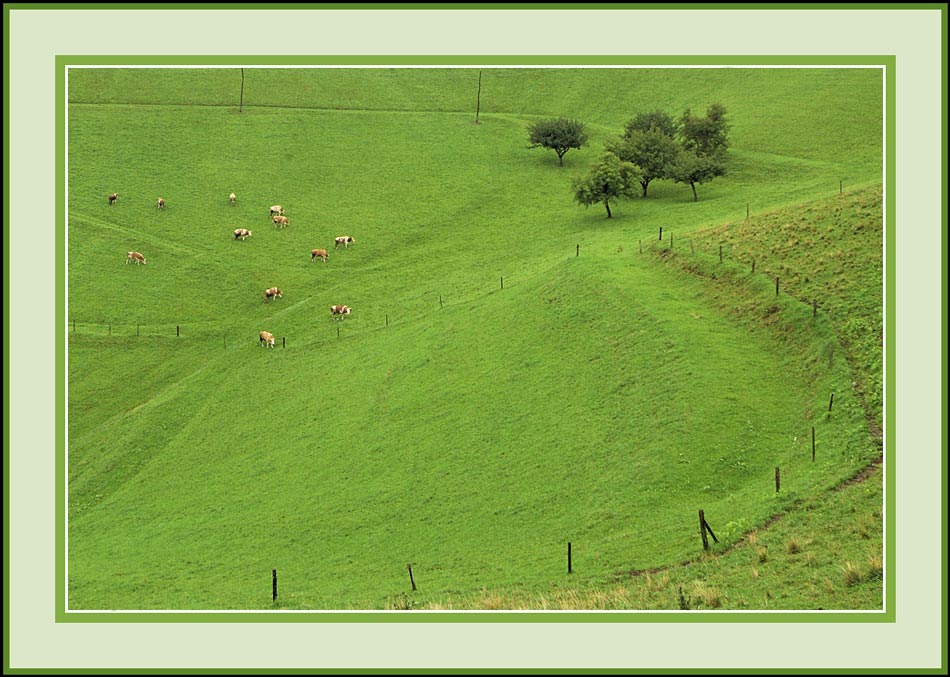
x: 599, y: 399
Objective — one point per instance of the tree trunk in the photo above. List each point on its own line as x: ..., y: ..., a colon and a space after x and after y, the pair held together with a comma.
x: 644, y: 184
x: 560, y: 156
x: 693, y: 186
x: 607, y: 205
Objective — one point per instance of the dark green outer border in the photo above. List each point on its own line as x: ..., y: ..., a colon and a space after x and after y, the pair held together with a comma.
x: 890, y: 318
x: 558, y: 6
x: 858, y: 616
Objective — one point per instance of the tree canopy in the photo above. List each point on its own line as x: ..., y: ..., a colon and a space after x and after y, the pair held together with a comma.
x: 707, y: 135
x: 644, y: 122
x: 610, y: 178
x: 558, y: 134
x: 696, y: 169
x: 651, y: 150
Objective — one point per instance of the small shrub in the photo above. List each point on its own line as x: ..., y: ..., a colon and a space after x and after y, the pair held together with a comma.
x: 793, y: 546
x: 763, y: 554
x: 852, y: 574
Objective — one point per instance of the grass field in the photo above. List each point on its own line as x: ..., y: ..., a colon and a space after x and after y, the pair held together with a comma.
x: 493, y: 396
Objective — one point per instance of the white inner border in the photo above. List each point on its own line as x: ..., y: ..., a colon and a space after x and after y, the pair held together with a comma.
x: 555, y: 612
x: 913, y: 641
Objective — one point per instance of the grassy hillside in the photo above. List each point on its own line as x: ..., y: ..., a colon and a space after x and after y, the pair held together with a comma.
x: 468, y: 429
x: 831, y: 252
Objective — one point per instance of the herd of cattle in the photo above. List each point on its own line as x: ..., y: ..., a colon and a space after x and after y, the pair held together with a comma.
x: 280, y: 220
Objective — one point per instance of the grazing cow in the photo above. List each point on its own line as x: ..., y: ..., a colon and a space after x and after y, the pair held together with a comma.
x: 281, y: 221
x: 339, y: 310
x: 272, y: 293
x: 135, y: 256
x: 233, y: 198
x: 161, y: 203
x: 276, y: 209
x: 344, y: 240
x: 319, y: 253
x: 267, y: 339
x: 242, y: 233
x: 113, y: 197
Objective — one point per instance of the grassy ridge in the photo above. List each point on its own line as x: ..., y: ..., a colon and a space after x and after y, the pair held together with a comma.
x: 595, y: 399
x: 830, y: 251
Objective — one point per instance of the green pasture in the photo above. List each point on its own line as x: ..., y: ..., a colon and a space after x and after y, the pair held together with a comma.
x: 493, y: 395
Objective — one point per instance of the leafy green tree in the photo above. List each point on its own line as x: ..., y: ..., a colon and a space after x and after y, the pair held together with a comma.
x: 708, y: 135
x: 644, y: 122
x: 560, y: 135
x: 651, y: 150
x: 610, y: 178
x: 697, y: 169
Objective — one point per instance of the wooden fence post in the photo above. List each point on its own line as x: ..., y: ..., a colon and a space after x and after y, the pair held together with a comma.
x: 831, y: 401
x: 578, y: 251
x: 177, y: 330
x: 641, y: 246
x: 412, y: 580
x: 702, y: 530
x: 568, y: 557
x: 502, y: 282
x: 661, y: 232
x: 387, y: 319
x: 274, y: 572
x: 720, y: 253
x: 776, y: 286
x: 440, y: 300
x: 778, y: 480
x: 813, y: 443
x: 284, y: 341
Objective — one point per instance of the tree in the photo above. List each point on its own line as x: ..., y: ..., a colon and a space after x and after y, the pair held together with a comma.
x: 708, y: 135
x: 558, y: 134
x: 651, y: 150
x: 644, y: 122
x: 697, y: 169
x: 610, y: 178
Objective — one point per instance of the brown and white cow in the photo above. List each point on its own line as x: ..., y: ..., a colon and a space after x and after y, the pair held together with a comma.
x: 267, y: 339
x: 242, y: 233
x: 276, y: 209
x: 233, y: 198
x: 135, y: 256
x: 161, y: 203
x: 273, y: 293
x: 344, y: 240
x: 113, y: 197
x: 281, y: 221
x: 319, y: 253
x: 342, y: 311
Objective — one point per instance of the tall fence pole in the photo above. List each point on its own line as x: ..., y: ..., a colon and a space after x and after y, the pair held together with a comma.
x: 778, y: 480
x: 241, y: 107
x: 274, y: 573
x: 813, y: 443
x: 412, y: 580
x: 177, y: 330
x: 776, y: 286
x: 578, y: 251
x: 502, y: 282
x: 720, y: 253
x: 661, y: 232
x: 831, y: 401
x: 568, y: 557
x: 702, y: 530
